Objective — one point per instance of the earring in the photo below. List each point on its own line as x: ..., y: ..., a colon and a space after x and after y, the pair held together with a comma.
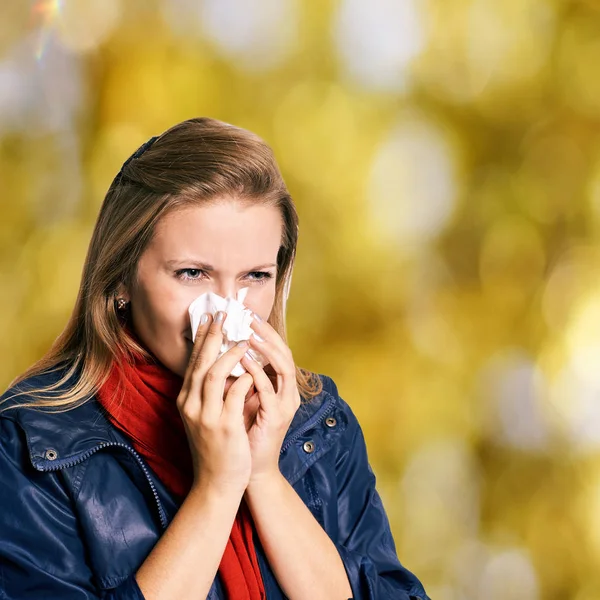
x: 121, y: 304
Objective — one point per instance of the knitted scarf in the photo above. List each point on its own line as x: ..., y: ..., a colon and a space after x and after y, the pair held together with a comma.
x: 141, y: 402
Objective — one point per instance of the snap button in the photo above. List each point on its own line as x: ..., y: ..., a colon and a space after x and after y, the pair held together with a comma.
x: 51, y: 454
x: 309, y: 447
x: 330, y: 422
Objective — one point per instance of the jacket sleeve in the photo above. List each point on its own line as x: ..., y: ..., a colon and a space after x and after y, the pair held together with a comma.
x: 41, y: 553
x: 365, y: 541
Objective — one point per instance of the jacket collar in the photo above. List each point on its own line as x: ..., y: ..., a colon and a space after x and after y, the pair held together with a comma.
x: 56, y: 439
x: 59, y: 439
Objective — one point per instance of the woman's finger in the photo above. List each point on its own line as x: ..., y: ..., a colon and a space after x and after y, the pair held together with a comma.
x: 234, y: 401
x: 268, y: 342
x: 213, y: 385
x: 261, y: 381
x: 203, y: 327
x: 193, y: 363
x: 266, y: 332
x: 264, y: 387
x: 281, y: 362
x: 205, y: 351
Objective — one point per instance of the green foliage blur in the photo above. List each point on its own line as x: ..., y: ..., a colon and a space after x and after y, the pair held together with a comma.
x: 445, y: 162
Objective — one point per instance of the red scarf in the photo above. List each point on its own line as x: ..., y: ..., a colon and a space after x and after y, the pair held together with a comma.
x: 148, y: 415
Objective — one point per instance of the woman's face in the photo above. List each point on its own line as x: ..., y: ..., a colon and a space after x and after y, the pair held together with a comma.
x: 219, y: 248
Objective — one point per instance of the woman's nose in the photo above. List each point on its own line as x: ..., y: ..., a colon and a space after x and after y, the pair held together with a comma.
x: 226, y: 290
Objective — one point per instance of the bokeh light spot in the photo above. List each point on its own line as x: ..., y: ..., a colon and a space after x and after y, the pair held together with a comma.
x: 83, y: 25
x: 377, y: 41
x: 413, y: 185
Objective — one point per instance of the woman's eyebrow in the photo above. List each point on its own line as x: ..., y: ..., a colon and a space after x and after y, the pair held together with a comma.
x: 207, y: 267
x: 266, y: 266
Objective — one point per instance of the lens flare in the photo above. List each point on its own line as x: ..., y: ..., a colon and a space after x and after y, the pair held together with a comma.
x: 45, y: 12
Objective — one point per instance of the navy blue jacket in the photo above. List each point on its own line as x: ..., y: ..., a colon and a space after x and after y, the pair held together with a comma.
x: 80, y: 509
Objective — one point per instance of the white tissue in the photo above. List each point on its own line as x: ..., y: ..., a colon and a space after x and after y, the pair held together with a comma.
x: 236, y: 326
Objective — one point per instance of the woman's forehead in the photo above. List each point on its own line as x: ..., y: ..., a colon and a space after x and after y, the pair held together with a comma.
x: 220, y: 232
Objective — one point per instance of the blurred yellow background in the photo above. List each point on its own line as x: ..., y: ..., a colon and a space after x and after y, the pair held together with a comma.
x: 445, y: 160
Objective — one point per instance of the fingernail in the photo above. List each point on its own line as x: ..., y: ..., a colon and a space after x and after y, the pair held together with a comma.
x: 243, y: 344
x: 257, y: 337
x: 219, y: 317
x: 204, y: 319
x: 257, y: 317
x: 249, y: 356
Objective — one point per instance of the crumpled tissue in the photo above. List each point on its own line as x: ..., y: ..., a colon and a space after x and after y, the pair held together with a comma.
x: 236, y: 326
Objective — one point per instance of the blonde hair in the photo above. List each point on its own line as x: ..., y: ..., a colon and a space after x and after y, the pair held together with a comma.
x: 197, y: 161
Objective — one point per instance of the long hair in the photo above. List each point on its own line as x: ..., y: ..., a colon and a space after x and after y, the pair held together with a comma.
x: 194, y: 162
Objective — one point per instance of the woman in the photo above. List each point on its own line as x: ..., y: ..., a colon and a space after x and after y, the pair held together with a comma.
x: 132, y: 464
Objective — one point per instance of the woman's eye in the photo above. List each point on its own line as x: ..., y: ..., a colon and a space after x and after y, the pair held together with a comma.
x: 188, y: 274
x: 197, y: 275
x: 260, y: 276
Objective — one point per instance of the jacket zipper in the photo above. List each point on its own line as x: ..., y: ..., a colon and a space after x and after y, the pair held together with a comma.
x: 132, y: 451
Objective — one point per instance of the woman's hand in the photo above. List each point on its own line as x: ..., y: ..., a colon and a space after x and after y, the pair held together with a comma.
x: 278, y: 398
x: 215, y: 426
